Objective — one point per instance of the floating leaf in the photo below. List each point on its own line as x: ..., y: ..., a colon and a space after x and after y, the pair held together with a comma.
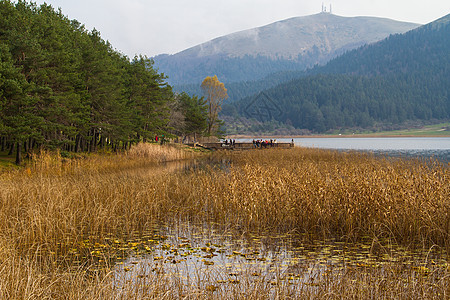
x: 211, y: 288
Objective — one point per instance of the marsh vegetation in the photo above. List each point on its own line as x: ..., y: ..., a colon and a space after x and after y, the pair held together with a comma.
x: 276, y: 223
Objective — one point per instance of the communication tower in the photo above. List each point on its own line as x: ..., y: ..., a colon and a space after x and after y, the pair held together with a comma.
x: 324, y: 8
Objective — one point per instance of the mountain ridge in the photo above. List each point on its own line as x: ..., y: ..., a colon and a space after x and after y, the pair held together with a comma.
x: 288, y: 28
x: 287, y: 45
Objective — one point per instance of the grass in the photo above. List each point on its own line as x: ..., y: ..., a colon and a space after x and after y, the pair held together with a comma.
x: 435, y: 130
x: 7, y: 161
x: 55, y: 203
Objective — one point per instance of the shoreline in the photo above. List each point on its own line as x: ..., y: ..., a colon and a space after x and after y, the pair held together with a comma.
x: 333, y: 136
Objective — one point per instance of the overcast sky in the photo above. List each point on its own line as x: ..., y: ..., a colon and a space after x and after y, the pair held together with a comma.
x: 152, y: 27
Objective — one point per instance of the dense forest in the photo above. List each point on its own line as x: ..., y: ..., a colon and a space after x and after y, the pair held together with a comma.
x: 404, y: 77
x: 243, y: 89
x: 62, y: 86
x: 423, y: 49
x: 184, y: 71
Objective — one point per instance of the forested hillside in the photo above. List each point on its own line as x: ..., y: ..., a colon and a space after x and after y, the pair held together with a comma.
x: 182, y: 71
x: 239, y: 90
x: 405, y: 77
x: 425, y: 49
x: 64, y: 87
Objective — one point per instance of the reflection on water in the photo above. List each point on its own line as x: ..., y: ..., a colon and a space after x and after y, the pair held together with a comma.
x: 378, y: 144
x: 185, y: 253
x: 416, y: 147
x: 190, y: 165
x: 440, y: 155
x: 210, y: 163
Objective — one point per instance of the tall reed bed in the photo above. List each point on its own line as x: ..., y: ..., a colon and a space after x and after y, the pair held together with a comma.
x: 348, y: 195
x: 48, y: 207
x: 139, y: 155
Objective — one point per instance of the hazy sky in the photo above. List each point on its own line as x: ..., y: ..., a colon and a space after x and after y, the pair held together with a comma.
x: 152, y: 27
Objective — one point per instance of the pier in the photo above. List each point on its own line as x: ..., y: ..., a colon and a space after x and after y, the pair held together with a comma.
x: 240, y: 146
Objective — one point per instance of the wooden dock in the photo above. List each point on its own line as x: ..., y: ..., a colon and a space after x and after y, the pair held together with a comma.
x: 239, y: 146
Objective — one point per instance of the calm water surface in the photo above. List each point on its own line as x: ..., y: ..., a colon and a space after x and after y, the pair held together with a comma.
x: 187, y: 253
x: 438, y: 147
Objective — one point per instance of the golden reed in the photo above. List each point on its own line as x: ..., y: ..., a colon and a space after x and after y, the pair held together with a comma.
x: 52, y: 203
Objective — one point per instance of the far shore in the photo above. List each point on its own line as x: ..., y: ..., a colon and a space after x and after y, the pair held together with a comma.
x: 333, y: 136
x: 435, y: 130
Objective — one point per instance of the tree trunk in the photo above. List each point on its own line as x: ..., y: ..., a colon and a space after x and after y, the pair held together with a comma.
x: 77, y: 143
x: 19, y: 153
x: 11, y: 149
x: 93, y: 143
x: 102, y: 142
x: 32, y: 143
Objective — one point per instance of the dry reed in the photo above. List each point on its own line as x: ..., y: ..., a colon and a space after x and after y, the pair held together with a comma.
x: 51, y: 205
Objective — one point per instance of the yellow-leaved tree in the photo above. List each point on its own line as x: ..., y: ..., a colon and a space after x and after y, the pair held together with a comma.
x: 215, y: 92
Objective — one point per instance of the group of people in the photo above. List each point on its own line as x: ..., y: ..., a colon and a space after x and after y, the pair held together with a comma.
x: 264, y: 143
x: 230, y: 143
x: 160, y: 139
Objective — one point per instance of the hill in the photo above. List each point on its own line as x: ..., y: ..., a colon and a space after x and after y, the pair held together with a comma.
x: 292, y: 44
x: 405, y: 77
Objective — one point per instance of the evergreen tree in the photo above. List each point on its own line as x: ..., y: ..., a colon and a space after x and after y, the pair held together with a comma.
x: 196, y: 114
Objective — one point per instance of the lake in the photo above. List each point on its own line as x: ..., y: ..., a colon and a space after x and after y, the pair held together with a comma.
x: 438, y: 147
x: 187, y: 253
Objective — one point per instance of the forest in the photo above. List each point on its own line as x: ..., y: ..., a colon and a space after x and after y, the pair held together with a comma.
x: 64, y: 87
x: 185, y: 71
x: 405, y: 77
x: 323, y: 102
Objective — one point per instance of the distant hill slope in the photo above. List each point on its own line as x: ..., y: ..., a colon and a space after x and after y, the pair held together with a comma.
x: 292, y: 44
x: 404, y: 77
x: 239, y: 90
x: 425, y: 48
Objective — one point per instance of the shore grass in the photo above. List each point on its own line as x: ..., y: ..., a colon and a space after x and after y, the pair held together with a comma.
x: 54, y: 203
x: 436, y: 130
x: 7, y: 161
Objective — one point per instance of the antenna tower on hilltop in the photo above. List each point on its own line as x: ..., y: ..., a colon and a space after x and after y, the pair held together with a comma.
x: 324, y: 8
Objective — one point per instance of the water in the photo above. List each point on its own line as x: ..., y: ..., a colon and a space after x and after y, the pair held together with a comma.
x: 378, y: 144
x: 187, y: 253
x: 437, y: 147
